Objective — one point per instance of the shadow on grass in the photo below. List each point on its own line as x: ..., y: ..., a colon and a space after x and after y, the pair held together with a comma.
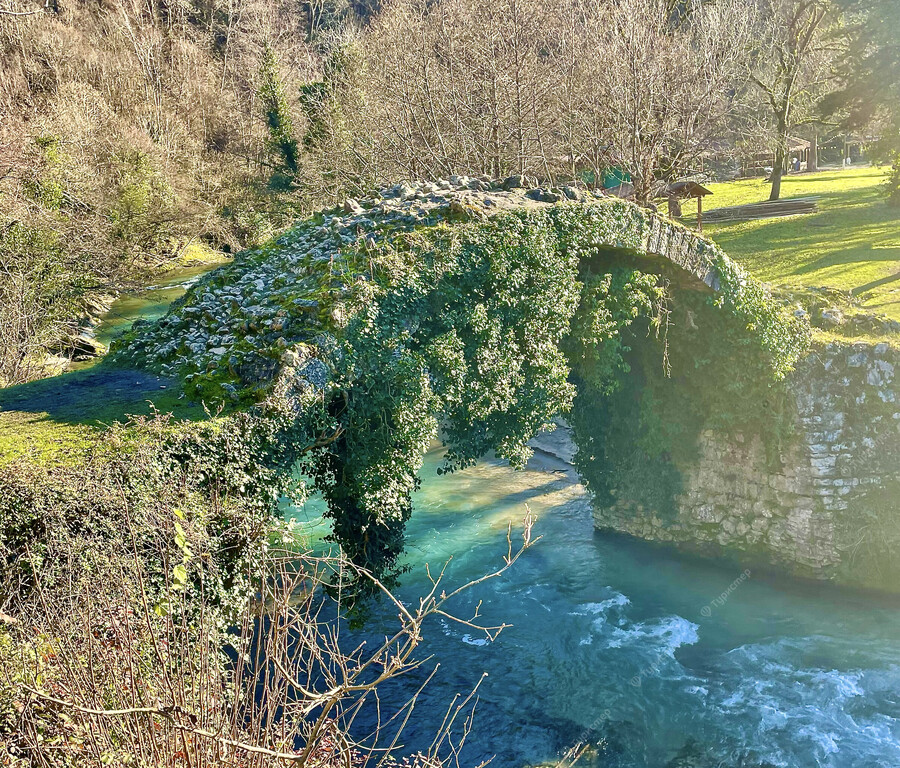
x: 100, y: 395
x: 843, y: 234
x: 845, y: 186
x: 878, y: 283
x: 819, y: 177
x: 852, y: 257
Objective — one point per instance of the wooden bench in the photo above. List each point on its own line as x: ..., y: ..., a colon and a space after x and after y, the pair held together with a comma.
x: 797, y: 206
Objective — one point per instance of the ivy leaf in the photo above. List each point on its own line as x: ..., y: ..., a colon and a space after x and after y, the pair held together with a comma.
x: 179, y: 577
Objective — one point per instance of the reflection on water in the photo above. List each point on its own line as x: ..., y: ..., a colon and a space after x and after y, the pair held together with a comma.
x: 620, y: 641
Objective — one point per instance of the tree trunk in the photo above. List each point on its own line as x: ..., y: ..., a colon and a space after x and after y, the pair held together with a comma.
x: 782, y: 147
x: 778, y: 172
x: 812, y: 163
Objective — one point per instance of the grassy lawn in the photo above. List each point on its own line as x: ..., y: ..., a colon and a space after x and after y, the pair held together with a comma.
x: 852, y: 244
x: 58, y: 420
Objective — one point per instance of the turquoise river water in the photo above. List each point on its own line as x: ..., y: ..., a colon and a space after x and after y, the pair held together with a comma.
x: 626, y: 643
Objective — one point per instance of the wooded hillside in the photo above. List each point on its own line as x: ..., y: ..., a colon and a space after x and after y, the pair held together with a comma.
x: 130, y: 132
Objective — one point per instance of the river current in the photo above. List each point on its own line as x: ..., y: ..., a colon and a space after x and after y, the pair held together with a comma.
x: 653, y: 658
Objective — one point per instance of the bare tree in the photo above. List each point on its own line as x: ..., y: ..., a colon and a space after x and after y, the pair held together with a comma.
x: 790, y: 67
x: 665, y: 80
x: 468, y: 91
x: 551, y: 89
x: 104, y: 675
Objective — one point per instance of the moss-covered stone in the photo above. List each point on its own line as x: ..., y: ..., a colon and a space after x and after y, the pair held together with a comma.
x: 229, y: 337
x: 352, y: 337
x: 820, y: 501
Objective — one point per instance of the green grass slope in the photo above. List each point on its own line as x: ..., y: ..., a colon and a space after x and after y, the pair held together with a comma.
x: 58, y: 420
x: 851, y: 245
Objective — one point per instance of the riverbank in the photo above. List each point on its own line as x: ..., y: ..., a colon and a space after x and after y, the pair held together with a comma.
x: 111, y: 313
x: 59, y: 418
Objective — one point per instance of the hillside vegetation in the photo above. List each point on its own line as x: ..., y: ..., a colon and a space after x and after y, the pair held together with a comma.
x: 131, y: 135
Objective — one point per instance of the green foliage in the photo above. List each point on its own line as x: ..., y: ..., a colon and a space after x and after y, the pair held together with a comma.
x: 188, y: 498
x: 336, y: 150
x: 622, y: 443
x: 8, y: 684
x: 278, y: 120
x: 40, y: 290
x: 610, y: 303
x: 322, y: 100
x: 656, y: 368
x: 465, y: 336
x: 625, y: 437
x: 870, y: 74
x: 140, y: 211
x: 893, y: 182
x: 469, y: 337
x: 476, y: 331
x: 153, y: 534
x: 763, y: 323
x: 717, y: 371
x: 314, y: 98
x: 46, y: 187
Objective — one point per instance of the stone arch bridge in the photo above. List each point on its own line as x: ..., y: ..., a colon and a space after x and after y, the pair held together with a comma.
x: 299, y: 279
x: 274, y: 320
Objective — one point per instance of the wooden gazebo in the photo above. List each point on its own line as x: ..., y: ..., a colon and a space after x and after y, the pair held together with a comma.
x: 683, y: 190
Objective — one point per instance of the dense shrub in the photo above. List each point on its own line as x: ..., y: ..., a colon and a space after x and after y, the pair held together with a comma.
x: 142, y: 491
x: 155, y: 612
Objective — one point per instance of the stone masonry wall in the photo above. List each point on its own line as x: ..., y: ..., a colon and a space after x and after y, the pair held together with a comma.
x: 825, y: 506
